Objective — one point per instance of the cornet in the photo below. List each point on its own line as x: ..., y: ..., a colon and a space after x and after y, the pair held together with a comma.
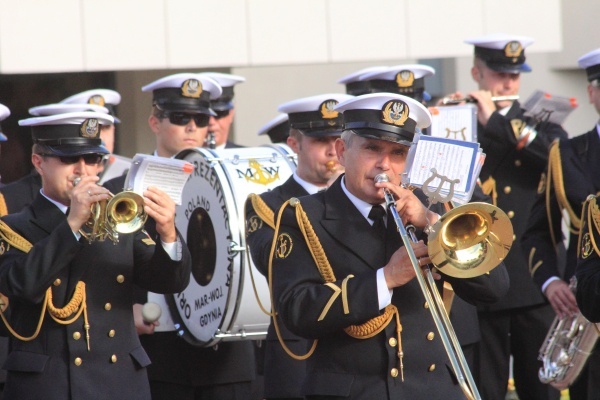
x: 123, y: 213
x: 466, y: 246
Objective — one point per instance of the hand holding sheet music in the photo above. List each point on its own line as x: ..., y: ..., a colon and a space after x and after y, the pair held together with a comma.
x: 168, y: 174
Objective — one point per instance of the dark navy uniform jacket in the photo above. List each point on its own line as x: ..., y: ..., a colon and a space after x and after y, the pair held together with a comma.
x: 57, y: 364
x: 517, y: 175
x: 362, y: 368
x: 579, y: 162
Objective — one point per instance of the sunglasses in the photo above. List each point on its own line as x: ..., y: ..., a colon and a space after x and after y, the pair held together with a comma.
x: 89, y: 159
x: 183, y: 118
x: 221, y: 114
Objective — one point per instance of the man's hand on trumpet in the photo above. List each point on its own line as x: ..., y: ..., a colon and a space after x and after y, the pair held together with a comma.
x: 161, y: 208
x: 85, y: 191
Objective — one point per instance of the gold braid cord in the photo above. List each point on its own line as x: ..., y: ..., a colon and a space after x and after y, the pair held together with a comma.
x: 76, y: 305
x: 489, y: 187
x: 3, y: 207
x: 364, y: 331
x: 593, y: 220
x: 556, y: 178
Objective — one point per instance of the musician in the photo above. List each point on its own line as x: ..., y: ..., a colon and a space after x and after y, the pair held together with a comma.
x: 314, y: 128
x: 20, y: 193
x: 219, y: 125
x: 570, y: 178
x: 4, y: 113
x: 363, y: 270
x: 179, y: 120
x: 87, y: 347
x: 516, y: 157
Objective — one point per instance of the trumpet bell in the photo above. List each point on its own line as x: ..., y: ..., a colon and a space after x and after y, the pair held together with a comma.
x: 470, y: 240
x: 125, y: 212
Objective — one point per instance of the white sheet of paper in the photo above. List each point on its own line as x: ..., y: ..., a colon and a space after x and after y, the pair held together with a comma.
x: 168, y: 174
x: 454, y: 122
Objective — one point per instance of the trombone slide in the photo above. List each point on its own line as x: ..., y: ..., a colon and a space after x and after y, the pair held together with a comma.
x: 449, y: 101
x: 436, y: 306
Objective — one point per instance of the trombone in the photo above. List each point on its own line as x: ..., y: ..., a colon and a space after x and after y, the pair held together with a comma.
x: 464, y: 247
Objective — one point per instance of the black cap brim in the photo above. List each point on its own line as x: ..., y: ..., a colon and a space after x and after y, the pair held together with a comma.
x: 77, y: 150
x: 509, y: 68
x: 322, y: 132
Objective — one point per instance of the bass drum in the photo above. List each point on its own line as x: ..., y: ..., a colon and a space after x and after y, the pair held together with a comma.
x: 219, y: 303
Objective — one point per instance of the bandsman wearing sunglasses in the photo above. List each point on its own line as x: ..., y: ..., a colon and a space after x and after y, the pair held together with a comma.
x: 219, y: 125
x: 181, y: 108
x: 87, y: 346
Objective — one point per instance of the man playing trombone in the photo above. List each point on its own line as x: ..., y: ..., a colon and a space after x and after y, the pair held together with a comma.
x: 73, y: 334
x: 341, y: 276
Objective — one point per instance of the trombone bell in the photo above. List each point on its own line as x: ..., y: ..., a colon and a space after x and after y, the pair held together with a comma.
x: 470, y: 240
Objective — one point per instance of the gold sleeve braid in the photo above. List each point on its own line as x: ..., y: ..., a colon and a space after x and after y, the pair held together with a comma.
x: 363, y: 331
x: 76, y: 305
x: 593, y: 221
x: 556, y: 178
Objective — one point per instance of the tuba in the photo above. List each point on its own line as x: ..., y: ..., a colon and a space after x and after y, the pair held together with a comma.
x: 566, y: 348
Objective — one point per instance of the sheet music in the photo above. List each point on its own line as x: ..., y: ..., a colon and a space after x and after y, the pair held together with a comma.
x: 455, y: 160
x: 168, y: 174
x: 454, y: 122
x: 546, y: 107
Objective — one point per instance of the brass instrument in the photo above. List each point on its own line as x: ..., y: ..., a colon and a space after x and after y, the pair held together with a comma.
x: 331, y: 165
x: 123, y: 213
x: 566, y: 348
x: 210, y: 141
x: 446, y: 101
x: 463, y: 245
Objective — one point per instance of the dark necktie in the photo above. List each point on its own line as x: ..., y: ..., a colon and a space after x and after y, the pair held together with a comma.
x: 377, y: 214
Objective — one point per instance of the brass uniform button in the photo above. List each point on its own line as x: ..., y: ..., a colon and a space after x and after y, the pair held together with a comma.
x: 120, y: 278
x: 426, y: 305
x: 57, y: 282
x: 111, y: 333
x: 510, y: 214
x: 431, y: 368
x: 430, y: 336
x: 517, y: 163
x: 393, y: 342
x: 394, y: 372
x: 514, y: 237
x: 76, y: 335
x: 113, y: 358
x: 507, y: 189
x: 107, y: 306
x: 77, y: 361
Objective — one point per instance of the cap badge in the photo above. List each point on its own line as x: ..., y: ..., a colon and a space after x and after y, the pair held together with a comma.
x: 327, y: 111
x: 90, y: 128
x: 405, y: 78
x: 97, y: 99
x: 395, y: 112
x: 191, y: 88
x: 513, y: 50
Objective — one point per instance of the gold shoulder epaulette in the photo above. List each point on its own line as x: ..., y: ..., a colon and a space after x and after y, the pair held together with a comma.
x: 13, y: 238
x: 262, y: 209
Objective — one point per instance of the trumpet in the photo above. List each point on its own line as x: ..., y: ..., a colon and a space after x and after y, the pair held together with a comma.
x: 122, y: 213
x: 446, y: 101
x: 466, y: 247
